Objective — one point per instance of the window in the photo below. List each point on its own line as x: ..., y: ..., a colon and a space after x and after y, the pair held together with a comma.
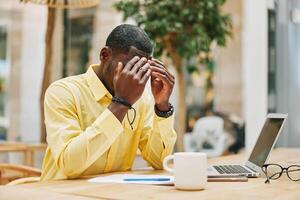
x: 3, y: 81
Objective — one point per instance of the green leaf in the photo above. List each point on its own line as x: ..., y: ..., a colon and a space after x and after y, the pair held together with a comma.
x: 192, y: 68
x: 192, y: 25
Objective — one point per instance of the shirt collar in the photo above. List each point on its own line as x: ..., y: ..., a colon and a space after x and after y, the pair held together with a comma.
x: 95, y: 84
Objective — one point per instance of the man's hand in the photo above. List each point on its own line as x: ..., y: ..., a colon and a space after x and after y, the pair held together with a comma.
x: 162, y: 83
x: 130, y: 81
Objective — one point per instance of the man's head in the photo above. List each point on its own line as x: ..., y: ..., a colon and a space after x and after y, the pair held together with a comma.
x: 125, y: 36
x: 123, y: 43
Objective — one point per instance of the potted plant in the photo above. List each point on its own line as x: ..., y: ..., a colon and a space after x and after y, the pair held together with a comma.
x: 182, y: 30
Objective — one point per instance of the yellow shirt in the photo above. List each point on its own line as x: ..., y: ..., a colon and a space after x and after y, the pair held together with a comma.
x: 85, y: 138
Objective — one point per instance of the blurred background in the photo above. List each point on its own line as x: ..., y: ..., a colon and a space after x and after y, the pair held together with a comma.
x: 235, y: 61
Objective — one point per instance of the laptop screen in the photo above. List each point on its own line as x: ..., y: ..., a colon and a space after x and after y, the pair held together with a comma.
x: 265, y: 141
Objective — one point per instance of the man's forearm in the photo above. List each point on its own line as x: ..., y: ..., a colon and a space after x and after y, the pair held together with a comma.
x: 88, y: 146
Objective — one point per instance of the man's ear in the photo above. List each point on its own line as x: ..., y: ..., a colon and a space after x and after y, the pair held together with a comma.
x: 105, y: 54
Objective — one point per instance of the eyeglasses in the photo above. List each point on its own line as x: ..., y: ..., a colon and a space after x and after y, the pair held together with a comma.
x: 274, y: 171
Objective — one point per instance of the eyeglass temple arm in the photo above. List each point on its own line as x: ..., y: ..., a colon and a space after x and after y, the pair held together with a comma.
x: 264, y: 168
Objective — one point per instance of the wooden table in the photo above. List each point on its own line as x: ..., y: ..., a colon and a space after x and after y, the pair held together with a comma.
x: 255, y: 188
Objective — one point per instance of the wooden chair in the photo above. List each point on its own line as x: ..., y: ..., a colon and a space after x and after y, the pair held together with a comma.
x: 12, y: 172
x: 28, y: 150
x: 17, y: 174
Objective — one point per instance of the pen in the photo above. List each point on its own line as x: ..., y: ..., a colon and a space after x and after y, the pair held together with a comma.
x: 146, y: 179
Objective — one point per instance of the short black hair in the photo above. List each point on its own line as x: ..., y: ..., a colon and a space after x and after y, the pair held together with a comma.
x: 126, y: 35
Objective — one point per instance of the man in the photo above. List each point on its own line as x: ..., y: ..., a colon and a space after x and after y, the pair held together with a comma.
x: 96, y: 121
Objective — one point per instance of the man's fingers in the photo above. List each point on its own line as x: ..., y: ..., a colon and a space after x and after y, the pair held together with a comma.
x: 118, y: 69
x: 157, y: 61
x: 146, y: 76
x: 162, y: 71
x: 131, y: 63
x: 138, y: 65
x: 142, y: 70
x: 162, y: 77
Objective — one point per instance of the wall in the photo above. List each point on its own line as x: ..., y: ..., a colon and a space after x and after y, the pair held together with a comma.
x: 32, y: 47
x: 241, y: 73
x: 254, y: 59
x: 26, y: 27
x: 12, y: 19
x: 105, y: 20
x: 228, y: 75
x: 288, y: 70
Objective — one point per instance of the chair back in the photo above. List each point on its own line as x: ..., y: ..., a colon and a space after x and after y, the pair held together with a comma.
x: 209, y: 127
x: 208, y: 135
x: 10, y: 172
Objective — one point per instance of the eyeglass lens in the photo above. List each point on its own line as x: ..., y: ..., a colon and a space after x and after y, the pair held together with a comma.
x: 274, y: 171
x: 294, y: 172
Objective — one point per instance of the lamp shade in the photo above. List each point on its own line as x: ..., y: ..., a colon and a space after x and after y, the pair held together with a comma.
x: 65, y: 3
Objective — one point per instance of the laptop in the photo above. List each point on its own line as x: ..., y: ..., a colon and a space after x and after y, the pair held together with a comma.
x: 260, y: 153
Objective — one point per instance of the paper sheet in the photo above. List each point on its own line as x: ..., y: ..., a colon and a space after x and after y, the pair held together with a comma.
x: 119, y: 178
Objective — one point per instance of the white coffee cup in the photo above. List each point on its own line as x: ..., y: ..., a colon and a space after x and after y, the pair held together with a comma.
x: 190, y: 170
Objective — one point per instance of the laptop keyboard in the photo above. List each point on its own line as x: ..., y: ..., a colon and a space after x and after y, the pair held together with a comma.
x: 231, y: 169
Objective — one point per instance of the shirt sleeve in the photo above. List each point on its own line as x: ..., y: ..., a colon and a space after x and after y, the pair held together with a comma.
x: 74, y: 149
x: 158, y: 136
